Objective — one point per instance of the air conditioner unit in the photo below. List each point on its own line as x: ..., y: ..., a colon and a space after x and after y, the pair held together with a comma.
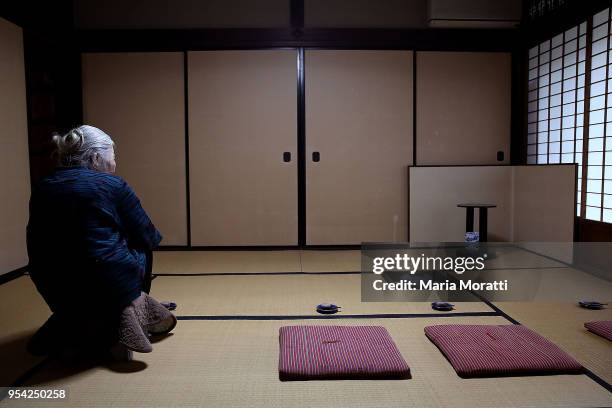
x: 474, y: 13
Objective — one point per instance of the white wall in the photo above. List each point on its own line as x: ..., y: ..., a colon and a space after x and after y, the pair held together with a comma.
x: 14, y: 162
x: 102, y: 14
x: 365, y: 13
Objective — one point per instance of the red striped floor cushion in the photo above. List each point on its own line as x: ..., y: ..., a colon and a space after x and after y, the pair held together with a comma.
x: 484, y: 350
x: 602, y: 328
x: 339, y: 352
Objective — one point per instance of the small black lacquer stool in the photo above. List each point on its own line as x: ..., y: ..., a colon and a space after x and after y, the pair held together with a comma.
x: 482, y: 218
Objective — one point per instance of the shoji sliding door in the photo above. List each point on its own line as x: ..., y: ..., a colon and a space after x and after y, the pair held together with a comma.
x: 138, y: 99
x: 358, y: 145
x: 243, y: 147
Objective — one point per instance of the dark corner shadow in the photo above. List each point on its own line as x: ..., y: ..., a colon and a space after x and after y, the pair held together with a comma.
x: 289, y: 378
x: 125, y: 367
x: 58, y: 368
x: 526, y: 373
x: 20, y: 368
x: 15, y: 359
x: 158, y: 338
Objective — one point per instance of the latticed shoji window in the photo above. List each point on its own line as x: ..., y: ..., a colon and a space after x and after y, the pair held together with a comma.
x: 569, y: 117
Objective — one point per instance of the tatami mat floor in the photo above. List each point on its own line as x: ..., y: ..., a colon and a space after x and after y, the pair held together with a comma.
x: 232, y: 362
x: 280, y: 295
x: 23, y: 311
x: 563, y: 323
x: 201, y: 262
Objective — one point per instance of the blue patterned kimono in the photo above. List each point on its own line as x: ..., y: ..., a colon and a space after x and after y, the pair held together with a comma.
x: 87, y: 237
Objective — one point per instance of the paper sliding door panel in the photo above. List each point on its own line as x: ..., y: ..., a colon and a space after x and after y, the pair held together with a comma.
x: 436, y: 191
x: 14, y: 162
x: 463, y: 108
x: 242, y: 119
x: 359, y: 121
x: 138, y: 99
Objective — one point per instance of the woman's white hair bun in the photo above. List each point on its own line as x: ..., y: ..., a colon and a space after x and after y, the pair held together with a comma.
x: 79, y: 145
x: 68, y: 144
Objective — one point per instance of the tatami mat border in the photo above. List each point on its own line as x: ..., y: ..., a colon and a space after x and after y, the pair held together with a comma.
x: 258, y: 273
x: 516, y: 268
x: 14, y: 274
x: 339, y: 316
x: 597, y: 379
x: 585, y: 370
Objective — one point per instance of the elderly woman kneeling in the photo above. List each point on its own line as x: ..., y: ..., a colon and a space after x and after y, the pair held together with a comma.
x: 89, y: 243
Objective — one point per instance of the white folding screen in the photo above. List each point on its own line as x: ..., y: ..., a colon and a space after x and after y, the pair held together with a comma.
x: 534, y: 203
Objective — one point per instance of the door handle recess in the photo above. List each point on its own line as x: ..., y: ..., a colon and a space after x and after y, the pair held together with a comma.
x: 316, y: 157
x: 287, y: 157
